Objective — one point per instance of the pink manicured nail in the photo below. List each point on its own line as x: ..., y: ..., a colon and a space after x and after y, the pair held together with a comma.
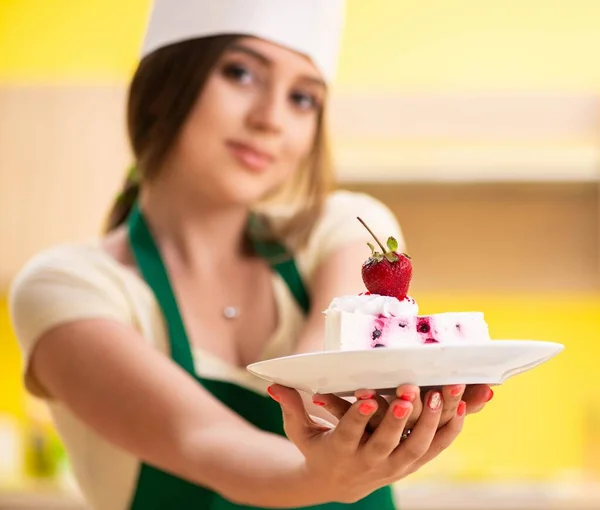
x: 435, y: 401
x: 400, y: 411
x: 366, y: 408
x: 457, y: 390
x: 408, y: 396
x: 318, y: 403
x: 490, y: 395
x: 273, y: 396
x: 462, y: 408
x: 366, y: 395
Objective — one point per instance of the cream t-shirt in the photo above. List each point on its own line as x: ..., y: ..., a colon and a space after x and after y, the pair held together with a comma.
x: 78, y: 281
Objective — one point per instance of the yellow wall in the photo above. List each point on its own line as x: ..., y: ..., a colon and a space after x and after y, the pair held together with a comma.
x: 389, y: 44
x: 11, y: 389
x: 44, y: 41
x: 536, y: 425
x: 471, y: 44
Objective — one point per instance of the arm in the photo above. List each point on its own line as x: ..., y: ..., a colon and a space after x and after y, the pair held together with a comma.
x: 337, y: 275
x: 142, y: 402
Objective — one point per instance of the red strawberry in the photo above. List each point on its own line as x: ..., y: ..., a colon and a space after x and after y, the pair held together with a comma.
x: 387, y: 273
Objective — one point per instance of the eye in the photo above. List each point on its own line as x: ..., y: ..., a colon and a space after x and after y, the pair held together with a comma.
x: 238, y: 73
x: 305, y: 101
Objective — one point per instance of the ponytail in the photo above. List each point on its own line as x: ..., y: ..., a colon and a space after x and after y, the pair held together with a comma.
x: 125, y: 200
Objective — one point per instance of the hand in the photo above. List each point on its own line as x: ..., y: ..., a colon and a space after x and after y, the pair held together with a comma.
x: 349, y: 462
x: 475, y: 397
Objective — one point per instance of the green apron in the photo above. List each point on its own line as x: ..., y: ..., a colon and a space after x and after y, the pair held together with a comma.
x: 158, y: 490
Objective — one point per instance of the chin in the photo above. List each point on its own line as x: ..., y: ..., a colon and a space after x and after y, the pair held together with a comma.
x: 240, y: 194
x: 235, y: 186
x: 249, y: 189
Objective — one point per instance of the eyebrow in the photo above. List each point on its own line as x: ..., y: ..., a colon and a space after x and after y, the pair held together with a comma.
x: 240, y: 48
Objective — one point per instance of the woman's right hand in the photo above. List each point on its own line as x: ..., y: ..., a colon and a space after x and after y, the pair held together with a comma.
x: 351, y: 463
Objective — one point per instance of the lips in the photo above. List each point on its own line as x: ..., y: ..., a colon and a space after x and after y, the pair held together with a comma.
x: 249, y: 156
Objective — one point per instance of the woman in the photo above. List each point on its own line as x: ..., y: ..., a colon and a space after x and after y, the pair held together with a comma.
x: 139, y: 341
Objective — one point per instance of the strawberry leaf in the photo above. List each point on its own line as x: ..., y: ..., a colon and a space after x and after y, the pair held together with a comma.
x: 392, y: 244
x: 392, y: 257
x: 370, y: 245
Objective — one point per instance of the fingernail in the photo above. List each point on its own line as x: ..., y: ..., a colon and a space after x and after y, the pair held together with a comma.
x: 462, y: 408
x: 408, y: 396
x: 366, y: 408
x: 490, y: 395
x: 366, y: 396
x: 318, y: 403
x: 435, y: 401
x: 457, y: 390
x: 273, y: 396
x: 400, y: 411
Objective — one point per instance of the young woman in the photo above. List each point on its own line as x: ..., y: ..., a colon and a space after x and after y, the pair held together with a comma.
x: 139, y: 341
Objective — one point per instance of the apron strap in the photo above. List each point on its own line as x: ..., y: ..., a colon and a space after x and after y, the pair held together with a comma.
x: 282, y: 261
x: 154, y: 271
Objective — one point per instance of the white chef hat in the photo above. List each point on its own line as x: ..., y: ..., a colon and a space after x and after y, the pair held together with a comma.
x: 310, y: 27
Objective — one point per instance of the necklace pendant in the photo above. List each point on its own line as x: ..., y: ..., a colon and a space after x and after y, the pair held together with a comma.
x: 231, y: 312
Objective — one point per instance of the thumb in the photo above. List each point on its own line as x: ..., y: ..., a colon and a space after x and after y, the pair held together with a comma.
x: 296, y: 422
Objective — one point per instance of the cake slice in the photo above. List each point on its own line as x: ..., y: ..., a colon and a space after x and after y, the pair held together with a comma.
x: 385, y: 316
x: 371, y: 324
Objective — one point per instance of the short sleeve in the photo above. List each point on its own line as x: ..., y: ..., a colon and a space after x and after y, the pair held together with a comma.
x: 56, y: 287
x: 338, y: 225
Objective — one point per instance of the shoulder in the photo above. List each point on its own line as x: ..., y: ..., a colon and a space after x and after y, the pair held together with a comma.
x: 343, y: 207
x: 73, y: 262
x: 63, y: 283
x: 338, y: 225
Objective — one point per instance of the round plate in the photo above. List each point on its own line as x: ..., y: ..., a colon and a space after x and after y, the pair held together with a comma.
x: 343, y: 372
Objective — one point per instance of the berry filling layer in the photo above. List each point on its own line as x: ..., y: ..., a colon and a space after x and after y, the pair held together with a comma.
x: 355, y: 323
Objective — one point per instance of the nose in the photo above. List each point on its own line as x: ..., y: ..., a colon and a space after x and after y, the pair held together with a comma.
x: 268, y: 112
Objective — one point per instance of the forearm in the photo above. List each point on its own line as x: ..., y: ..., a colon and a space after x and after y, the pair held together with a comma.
x: 255, y: 468
x: 141, y: 402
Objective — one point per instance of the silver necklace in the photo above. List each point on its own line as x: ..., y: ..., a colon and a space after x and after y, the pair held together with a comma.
x: 231, y: 312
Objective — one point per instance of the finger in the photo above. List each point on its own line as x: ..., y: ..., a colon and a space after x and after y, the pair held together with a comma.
x: 351, y: 427
x: 476, y: 396
x: 297, y: 424
x: 382, y: 406
x: 444, y: 437
x: 387, y: 436
x: 419, y: 441
x: 411, y: 393
x: 452, y: 397
x: 338, y: 406
x: 333, y: 404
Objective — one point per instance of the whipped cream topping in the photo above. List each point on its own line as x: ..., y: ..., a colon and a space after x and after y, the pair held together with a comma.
x: 374, y: 304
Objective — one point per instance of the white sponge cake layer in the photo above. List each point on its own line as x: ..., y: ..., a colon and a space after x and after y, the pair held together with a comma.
x: 359, y: 331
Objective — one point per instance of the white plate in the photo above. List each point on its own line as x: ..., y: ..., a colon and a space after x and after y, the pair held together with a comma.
x: 343, y: 372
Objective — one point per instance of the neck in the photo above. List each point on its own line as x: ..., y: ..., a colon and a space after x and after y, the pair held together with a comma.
x: 192, y: 233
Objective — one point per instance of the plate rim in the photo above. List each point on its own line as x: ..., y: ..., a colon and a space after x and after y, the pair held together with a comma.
x: 416, y: 347
x: 260, y: 369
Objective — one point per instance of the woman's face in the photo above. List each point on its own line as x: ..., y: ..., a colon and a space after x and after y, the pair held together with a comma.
x: 253, y: 125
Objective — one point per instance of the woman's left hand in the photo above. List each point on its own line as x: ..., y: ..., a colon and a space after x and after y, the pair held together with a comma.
x: 475, y: 396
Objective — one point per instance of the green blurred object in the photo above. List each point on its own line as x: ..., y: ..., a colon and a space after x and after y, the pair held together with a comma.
x: 45, y: 456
